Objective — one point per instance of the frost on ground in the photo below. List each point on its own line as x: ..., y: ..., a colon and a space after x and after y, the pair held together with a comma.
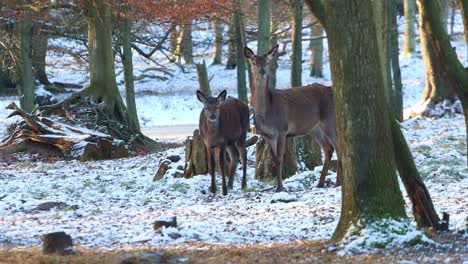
x: 113, y: 204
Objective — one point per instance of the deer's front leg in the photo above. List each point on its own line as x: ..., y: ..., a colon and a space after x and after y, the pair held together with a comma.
x: 212, y: 168
x: 277, y: 150
x: 221, y: 153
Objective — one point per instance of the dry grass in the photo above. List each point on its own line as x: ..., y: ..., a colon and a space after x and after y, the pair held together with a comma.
x: 295, y: 252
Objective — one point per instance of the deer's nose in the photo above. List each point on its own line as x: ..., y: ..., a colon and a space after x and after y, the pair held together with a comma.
x: 262, y: 71
x: 212, y: 117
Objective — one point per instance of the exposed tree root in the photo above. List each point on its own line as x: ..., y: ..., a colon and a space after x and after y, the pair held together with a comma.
x: 436, y: 109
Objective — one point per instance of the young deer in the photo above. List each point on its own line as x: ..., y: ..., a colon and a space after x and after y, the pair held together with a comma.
x: 280, y: 114
x: 223, y: 126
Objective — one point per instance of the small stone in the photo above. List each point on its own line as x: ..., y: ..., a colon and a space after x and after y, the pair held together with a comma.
x: 283, y: 197
x: 171, y: 222
x: 57, y: 242
x: 174, y: 158
x: 47, y: 206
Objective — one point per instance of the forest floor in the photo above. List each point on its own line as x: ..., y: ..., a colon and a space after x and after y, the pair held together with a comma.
x: 453, y: 251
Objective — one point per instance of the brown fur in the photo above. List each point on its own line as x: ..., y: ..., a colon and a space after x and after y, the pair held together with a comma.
x: 280, y: 114
x: 227, y: 133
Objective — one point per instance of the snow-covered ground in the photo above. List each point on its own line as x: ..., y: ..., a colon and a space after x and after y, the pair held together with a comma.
x: 112, y: 204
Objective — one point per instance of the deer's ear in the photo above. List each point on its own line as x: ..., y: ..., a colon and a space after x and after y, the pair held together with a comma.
x: 272, y: 53
x: 201, y: 96
x: 222, y: 96
x: 248, y: 53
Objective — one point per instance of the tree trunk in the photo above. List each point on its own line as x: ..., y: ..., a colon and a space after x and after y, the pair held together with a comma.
x: 296, y: 56
x: 127, y: 61
x: 423, y: 209
x: 232, y: 53
x: 203, y: 78
x: 26, y: 84
x: 241, y: 62
x: 370, y: 188
x: 273, y: 65
x: 409, y: 45
x: 394, y: 64
x: 446, y: 57
x: 103, y: 86
x: 174, y: 40
x: 316, y: 49
x: 39, y: 53
x: 187, y: 43
x: 218, y: 42
x: 444, y: 13
x: 263, y: 32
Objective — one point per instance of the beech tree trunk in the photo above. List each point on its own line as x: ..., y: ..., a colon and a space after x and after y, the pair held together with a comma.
x: 296, y: 55
x: 218, y: 42
x: 394, y: 62
x: 26, y: 85
x: 241, y: 61
x: 447, y: 59
x: 103, y: 86
x: 232, y: 51
x: 39, y: 53
x: 204, y: 83
x: 409, y: 44
x: 370, y: 188
x: 127, y: 61
x: 316, y: 49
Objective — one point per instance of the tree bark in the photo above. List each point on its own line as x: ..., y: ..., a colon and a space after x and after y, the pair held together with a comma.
x: 39, y: 53
x: 263, y: 32
x: 241, y: 62
x: 394, y: 64
x: 127, y: 61
x: 218, y: 43
x: 316, y: 48
x: 203, y: 78
x: 370, y: 188
x: 232, y: 53
x: 447, y: 59
x: 296, y: 56
x: 187, y: 43
x: 409, y: 44
x: 26, y: 83
x: 103, y: 86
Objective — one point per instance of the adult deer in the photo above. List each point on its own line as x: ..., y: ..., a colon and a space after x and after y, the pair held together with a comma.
x: 223, y: 126
x: 280, y: 114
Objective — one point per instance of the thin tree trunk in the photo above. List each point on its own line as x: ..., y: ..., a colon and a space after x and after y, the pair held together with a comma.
x: 203, y: 78
x: 127, y: 62
x: 232, y: 53
x: 296, y: 56
x: 409, y: 45
x: 263, y: 33
x: 316, y: 49
x: 423, y: 209
x: 273, y: 65
x: 444, y: 13
x: 218, y: 42
x: 26, y: 84
x: 240, y: 44
x: 187, y: 43
x: 174, y: 39
x: 39, y: 53
x: 393, y: 53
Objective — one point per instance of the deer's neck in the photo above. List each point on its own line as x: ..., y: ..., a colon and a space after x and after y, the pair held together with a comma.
x: 262, y: 98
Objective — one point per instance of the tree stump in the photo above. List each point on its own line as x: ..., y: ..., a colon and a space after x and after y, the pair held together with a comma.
x: 73, y: 141
x: 302, y: 151
x: 196, y: 161
x: 57, y: 242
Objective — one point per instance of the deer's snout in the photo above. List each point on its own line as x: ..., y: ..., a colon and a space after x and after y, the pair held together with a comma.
x: 212, y: 118
x: 262, y: 71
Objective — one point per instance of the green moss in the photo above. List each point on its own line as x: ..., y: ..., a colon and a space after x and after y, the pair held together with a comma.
x: 53, y: 89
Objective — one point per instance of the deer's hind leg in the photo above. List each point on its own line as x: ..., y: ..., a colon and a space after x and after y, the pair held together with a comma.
x: 243, y: 155
x: 234, y: 156
x: 333, y: 140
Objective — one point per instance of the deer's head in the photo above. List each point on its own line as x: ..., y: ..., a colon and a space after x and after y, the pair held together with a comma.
x: 211, y: 105
x: 260, y: 62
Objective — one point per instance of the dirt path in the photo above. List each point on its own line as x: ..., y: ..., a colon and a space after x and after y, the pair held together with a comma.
x: 170, y: 132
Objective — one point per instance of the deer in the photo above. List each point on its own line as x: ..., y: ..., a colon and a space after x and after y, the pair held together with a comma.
x: 223, y: 127
x: 280, y: 114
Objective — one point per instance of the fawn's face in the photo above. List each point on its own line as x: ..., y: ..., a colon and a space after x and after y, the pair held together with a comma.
x: 211, y: 105
x: 260, y: 63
